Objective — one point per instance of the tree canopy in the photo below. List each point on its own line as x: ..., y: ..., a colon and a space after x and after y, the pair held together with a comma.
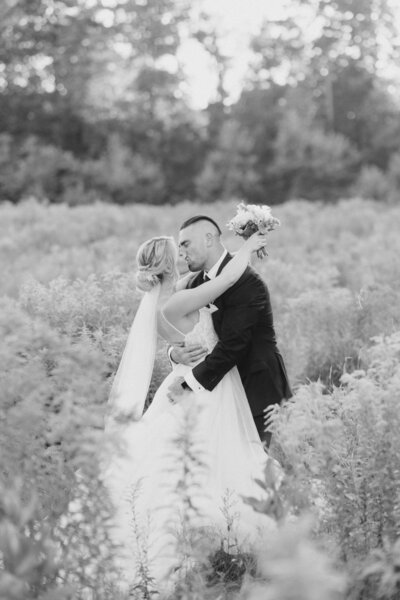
x: 94, y: 103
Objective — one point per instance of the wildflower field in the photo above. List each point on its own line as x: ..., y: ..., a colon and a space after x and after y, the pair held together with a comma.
x: 67, y: 299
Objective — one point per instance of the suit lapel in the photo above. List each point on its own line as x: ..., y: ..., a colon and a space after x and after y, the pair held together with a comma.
x: 227, y: 258
x: 198, y: 279
x: 219, y: 303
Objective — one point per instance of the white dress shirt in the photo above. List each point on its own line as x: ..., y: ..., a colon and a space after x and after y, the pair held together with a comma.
x: 211, y: 274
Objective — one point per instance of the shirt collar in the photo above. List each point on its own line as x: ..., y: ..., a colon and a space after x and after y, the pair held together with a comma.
x: 212, y: 273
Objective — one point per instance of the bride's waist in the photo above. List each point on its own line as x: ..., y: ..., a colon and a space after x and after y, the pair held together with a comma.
x: 181, y: 370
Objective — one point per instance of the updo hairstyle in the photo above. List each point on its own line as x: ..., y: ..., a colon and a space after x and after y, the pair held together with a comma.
x: 156, y: 258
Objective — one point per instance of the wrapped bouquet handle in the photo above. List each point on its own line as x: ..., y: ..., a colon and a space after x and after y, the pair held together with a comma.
x: 247, y: 232
x: 251, y: 218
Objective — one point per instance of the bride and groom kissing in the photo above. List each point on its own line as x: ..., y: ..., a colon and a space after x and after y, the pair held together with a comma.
x: 243, y: 322
x: 227, y: 370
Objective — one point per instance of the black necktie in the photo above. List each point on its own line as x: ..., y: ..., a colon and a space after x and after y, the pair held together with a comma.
x: 206, y: 278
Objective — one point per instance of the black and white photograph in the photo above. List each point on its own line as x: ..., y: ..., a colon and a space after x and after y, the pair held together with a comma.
x: 199, y: 300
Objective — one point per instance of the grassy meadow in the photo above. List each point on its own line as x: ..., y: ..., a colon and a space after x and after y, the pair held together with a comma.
x: 67, y: 299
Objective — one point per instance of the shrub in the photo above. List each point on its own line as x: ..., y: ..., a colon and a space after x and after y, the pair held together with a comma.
x: 323, y: 323
x: 394, y: 177
x: 229, y: 170
x: 315, y: 163
x: 293, y: 567
x: 372, y: 183
x: 52, y: 402
x: 68, y: 301
x: 55, y: 175
x: 342, y: 449
x: 43, y: 171
x: 65, y: 558
x: 125, y: 177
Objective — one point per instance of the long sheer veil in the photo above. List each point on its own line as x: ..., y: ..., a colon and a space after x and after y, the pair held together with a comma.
x: 132, y: 380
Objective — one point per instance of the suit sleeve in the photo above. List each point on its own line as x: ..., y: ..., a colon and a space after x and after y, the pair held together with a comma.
x: 241, y: 315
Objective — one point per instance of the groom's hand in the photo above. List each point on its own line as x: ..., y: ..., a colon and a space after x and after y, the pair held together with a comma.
x: 176, y: 391
x: 188, y: 355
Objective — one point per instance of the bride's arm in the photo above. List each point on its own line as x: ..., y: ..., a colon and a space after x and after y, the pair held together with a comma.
x: 186, y: 301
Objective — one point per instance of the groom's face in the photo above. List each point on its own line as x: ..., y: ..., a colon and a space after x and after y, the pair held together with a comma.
x: 194, y: 246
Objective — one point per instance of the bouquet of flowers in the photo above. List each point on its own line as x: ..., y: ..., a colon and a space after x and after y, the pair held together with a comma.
x: 251, y: 218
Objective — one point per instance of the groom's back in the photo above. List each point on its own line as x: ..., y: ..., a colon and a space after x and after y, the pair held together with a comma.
x: 244, y: 325
x: 249, y: 293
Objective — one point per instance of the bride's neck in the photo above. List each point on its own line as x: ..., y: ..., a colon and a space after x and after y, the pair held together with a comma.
x: 167, y: 288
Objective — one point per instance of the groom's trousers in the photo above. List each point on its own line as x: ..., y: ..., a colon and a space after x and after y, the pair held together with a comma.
x: 265, y: 436
x: 264, y: 388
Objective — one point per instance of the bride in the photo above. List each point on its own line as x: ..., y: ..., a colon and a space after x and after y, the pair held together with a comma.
x: 181, y: 467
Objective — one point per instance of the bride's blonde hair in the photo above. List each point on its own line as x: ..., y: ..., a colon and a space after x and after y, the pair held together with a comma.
x: 155, y: 259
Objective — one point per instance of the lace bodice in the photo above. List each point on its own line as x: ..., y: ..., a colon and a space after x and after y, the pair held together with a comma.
x: 203, y: 332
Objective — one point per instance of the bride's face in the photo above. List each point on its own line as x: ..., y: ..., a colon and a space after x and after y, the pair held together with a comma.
x: 172, y: 260
x: 182, y: 265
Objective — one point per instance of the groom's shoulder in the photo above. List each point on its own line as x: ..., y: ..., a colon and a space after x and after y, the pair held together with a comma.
x: 251, y: 278
x: 249, y: 287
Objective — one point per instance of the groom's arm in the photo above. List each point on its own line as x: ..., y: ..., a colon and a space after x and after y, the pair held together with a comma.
x: 188, y: 354
x: 241, y: 313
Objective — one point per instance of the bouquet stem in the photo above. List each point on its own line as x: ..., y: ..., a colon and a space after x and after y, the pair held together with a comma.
x: 262, y: 253
x: 248, y: 231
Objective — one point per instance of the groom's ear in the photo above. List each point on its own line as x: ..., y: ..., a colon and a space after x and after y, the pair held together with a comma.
x: 209, y: 239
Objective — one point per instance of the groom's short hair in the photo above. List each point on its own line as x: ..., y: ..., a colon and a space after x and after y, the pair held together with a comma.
x: 198, y: 218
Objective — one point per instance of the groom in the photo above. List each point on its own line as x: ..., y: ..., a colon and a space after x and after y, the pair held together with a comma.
x: 243, y: 323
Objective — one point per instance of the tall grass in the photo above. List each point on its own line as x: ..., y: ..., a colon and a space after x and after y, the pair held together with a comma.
x: 67, y: 298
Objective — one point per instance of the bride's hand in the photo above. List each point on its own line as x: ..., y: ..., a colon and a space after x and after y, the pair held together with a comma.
x: 256, y: 242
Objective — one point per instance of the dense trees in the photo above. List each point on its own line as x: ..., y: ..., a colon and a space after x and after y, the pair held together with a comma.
x: 93, y: 103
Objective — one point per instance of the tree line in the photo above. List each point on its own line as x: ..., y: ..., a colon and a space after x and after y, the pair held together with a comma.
x: 93, y: 104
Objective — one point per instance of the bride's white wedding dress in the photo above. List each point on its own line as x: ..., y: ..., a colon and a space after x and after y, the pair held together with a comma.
x: 183, y: 469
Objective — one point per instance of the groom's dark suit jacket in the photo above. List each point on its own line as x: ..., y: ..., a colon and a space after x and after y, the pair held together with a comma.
x: 244, y: 325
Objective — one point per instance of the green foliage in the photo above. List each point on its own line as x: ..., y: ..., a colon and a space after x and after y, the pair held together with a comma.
x: 342, y: 449
x: 54, y: 541
x: 229, y: 170
x: 45, y: 172
x: 52, y: 403
x: 293, y: 567
x: 68, y: 557
x: 372, y: 183
x: 68, y: 299
x: 94, y: 103
x: 332, y: 272
x: 315, y: 164
x: 394, y: 177
x: 123, y: 176
x: 27, y: 553
x: 325, y: 326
